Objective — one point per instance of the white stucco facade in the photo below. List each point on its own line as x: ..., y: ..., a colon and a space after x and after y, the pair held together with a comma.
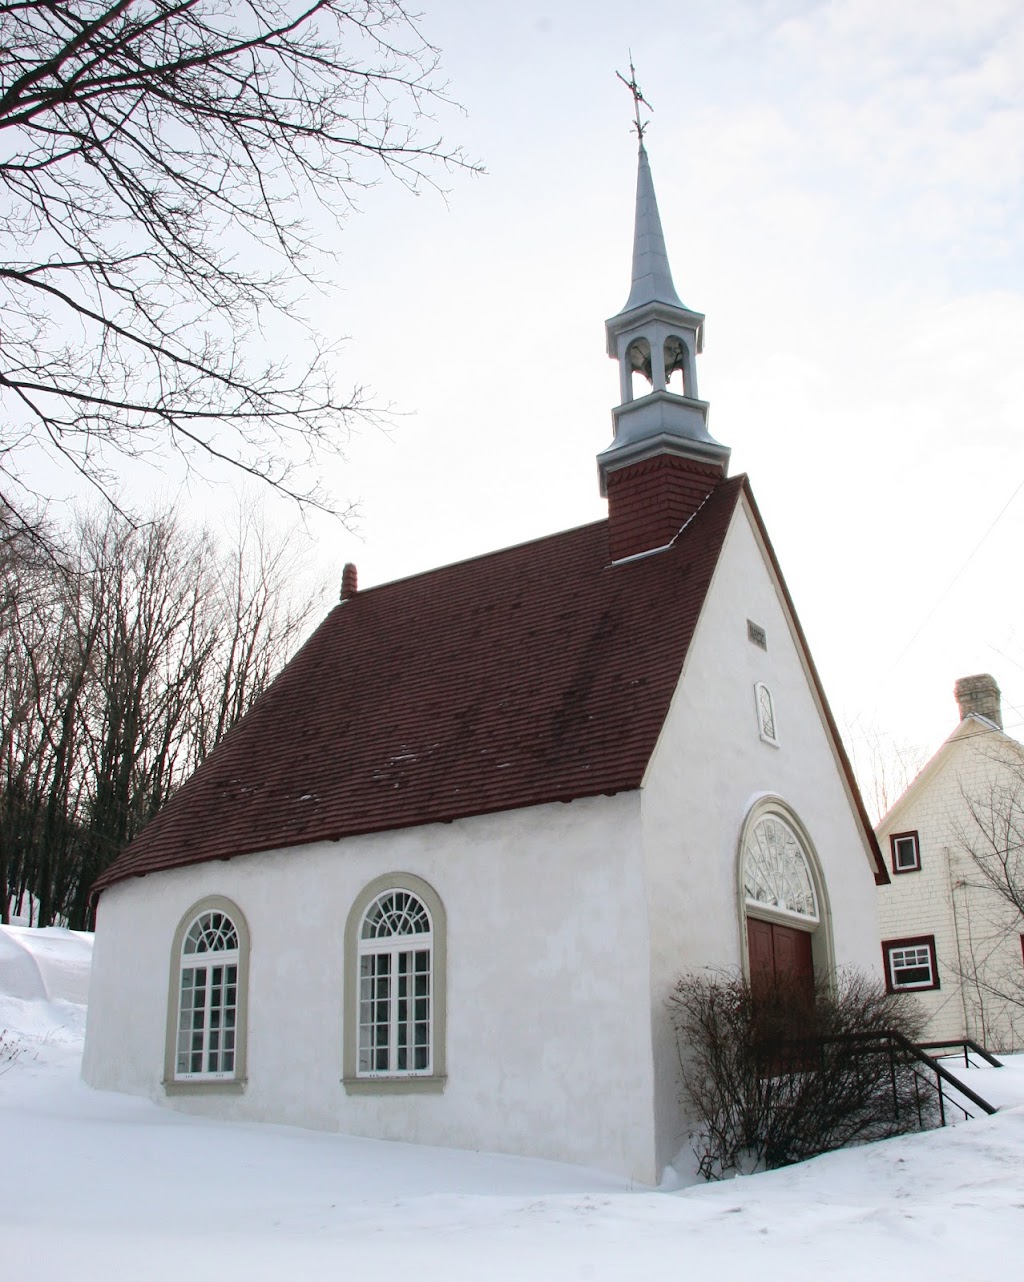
x: 975, y: 934
x: 710, y: 768
x: 568, y: 926
x: 548, y: 1033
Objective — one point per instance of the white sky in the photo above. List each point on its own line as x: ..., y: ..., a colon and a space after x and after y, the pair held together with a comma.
x: 840, y: 187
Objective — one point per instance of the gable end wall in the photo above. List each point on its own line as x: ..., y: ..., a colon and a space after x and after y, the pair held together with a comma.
x: 976, y: 933
x: 709, y: 767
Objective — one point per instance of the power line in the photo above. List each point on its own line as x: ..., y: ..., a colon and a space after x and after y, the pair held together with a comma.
x: 942, y: 595
x: 945, y: 591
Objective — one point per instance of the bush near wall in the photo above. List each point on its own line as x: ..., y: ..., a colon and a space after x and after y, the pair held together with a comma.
x: 772, y: 1076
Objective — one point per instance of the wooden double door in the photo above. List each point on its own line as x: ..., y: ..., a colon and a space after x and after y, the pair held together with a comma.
x: 780, y: 955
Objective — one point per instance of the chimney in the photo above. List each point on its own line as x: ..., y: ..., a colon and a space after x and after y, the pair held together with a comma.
x: 650, y: 501
x: 980, y: 695
x: 349, y: 582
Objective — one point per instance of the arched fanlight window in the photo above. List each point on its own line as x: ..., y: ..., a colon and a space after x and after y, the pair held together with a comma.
x: 776, y: 870
x: 395, y: 986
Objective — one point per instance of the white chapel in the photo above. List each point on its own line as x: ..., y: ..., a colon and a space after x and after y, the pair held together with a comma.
x: 439, y: 883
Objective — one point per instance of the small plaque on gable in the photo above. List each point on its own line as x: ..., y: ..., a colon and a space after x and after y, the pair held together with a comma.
x: 757, y: 634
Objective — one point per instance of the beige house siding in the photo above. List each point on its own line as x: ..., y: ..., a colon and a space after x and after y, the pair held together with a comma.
x: 977, y: 936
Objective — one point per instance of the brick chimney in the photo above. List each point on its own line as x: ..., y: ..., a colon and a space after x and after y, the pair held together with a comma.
x: 349, y: 581
x: 649, y: 502
x: 979, y: 694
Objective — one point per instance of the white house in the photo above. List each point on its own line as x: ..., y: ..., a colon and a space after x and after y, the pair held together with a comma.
x: 948, y: 934
x: 439, y: 883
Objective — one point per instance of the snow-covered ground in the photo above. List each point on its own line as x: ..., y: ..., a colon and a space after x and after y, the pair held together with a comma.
x: 101, y: 1186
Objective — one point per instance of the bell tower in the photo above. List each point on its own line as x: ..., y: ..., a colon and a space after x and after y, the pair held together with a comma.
x: 662, y: 463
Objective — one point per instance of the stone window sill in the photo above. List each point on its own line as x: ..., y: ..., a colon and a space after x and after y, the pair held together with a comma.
x: 394, y: 1085
x: 227, y: 1086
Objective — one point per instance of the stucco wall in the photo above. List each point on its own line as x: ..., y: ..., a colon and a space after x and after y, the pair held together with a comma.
x: 709, y: 768
x: 548, y: 1031
x: 977, y: 936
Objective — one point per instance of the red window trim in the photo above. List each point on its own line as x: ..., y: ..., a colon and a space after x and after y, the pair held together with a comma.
x: 915, y: 941
x: 893, y: 838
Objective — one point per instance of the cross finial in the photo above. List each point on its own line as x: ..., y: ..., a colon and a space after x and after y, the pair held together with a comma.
x: 638, y: 98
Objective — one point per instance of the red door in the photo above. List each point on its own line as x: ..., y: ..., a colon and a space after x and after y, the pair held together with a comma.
x: 780, y: 954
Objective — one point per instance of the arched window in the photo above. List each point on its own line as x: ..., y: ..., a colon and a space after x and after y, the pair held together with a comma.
x: 395, y: 948
x: 765, y: 706
x: 776, y: 873
x: 395, y: 986
x: 206, y: 1034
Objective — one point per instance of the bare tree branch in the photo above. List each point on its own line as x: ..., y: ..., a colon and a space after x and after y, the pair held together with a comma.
x: 158, y: 160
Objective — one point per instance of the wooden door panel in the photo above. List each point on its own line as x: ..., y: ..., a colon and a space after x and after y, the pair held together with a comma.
x: 779, y: 954
x: 793, y: 961
x: 762, y: 954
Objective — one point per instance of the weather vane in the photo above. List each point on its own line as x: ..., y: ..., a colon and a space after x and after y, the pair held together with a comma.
x: 638, y: 98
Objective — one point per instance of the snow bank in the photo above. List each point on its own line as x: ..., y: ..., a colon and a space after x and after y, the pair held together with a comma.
x: 94, y: 1186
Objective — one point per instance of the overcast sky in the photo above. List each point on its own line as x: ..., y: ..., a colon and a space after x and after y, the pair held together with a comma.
x: 840, y: 187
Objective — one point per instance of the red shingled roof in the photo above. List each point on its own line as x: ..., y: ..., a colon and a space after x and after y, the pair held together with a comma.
x: 539, y: 673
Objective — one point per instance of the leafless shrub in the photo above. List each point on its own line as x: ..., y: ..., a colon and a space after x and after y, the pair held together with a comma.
x: 10, y: 1052
x: 771, y: 1078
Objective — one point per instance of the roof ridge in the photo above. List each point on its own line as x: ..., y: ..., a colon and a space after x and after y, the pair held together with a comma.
x: 475, y: 557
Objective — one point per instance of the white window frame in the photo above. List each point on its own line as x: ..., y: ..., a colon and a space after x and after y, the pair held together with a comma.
x: 763, y: 698
x: 895, y: 840
x: 389, y: 1014
x: 224, y: 1020
x: 913, y: 954
x: 363, y: 957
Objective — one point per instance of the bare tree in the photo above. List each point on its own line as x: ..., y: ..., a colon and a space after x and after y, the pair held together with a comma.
x: 158, y: 162
x: 884, y: 766
x: 988, y: 889
x: 123, y: 668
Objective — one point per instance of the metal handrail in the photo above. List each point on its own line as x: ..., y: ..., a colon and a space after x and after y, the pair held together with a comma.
x: 917, y: 1053
x: 968, y: 1045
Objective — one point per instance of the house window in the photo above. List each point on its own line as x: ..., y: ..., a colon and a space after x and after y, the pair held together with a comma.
x: 207, y: 1024
x: 395, y: 947
x: 765, y: 706
x: 395, y: 988
x: 910, y: 963
x: 906, y: 852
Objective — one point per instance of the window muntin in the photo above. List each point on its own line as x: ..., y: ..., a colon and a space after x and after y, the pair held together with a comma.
x: 208, y: 1002
x: 765, y: 706
x: 395, y: 1021
x: 910, y: 963
x: 905, y: 848
x: 776, y: 871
